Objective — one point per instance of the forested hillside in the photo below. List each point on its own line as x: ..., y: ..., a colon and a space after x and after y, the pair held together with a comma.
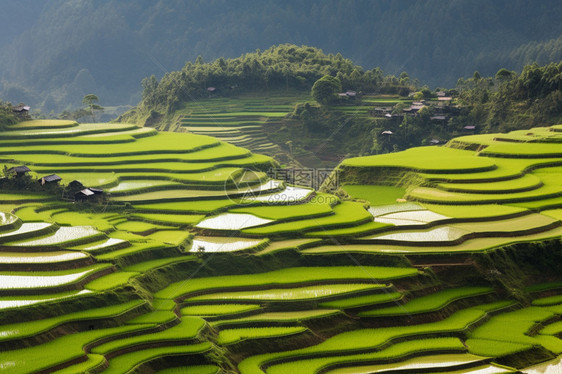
x: 283, y: 67
x: 56, y: 52
x: 317, y: 130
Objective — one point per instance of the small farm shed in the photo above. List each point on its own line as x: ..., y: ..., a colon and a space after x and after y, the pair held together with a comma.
x: 22, y: 111
x: 84, y: 195
x: 50, y: 179
x: 96, y: 191
x: 19, y: 170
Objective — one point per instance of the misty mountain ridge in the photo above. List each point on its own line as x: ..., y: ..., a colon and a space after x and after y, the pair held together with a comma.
x: 57, y: 52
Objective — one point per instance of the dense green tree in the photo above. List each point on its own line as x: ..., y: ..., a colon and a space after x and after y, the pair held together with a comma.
x: 512, y: 101
x: 325, y: 90
x: 7, y: 116
x: 91, y: 102
x: 503, y: 74
x: 149, y: 86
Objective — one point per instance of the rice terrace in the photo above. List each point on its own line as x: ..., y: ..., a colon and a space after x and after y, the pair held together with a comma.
x: 286, y: 211
x: 180, y: 270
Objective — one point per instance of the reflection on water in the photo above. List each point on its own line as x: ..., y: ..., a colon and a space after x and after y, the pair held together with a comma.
x: 549, y: 367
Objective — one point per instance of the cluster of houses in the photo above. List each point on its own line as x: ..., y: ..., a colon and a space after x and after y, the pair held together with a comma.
x: 75, y: 189
x: 441, y: 109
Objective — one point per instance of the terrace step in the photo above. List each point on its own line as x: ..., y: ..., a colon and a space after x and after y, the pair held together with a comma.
x: 9, y: 222
x: 152, y: 359
x: 425, y: 363
x: 63, y: 237
x: 43, y: 261
x: 108, y: 245
x: 46, y: 282
x: 184, y: 332
x: 26, y: 231
x: 427, y: 308
x: 93, y: 364
x: 139, y: 252
x: 30, y: 333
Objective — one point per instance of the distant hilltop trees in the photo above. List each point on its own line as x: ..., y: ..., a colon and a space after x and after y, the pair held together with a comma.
x: 510, y: 101
x: 280, y: 67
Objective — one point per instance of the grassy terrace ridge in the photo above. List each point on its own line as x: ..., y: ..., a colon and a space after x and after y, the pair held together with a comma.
x: 232, y: 336
x: 82, y: 129
x: 290, y: 277
x: 241, y: 121
x: 49, y: 355
x: 469, y: 246
x: 214, y: 150
x: 361, y: 301
x: 43, y: 124
x: 293, y: 316
x: 458, y: 363
x: 198, y: 369
x: 364, y: 340
x: 14, y: 282
x: 316, y: 292
x: 186, y: 330
x: 93, y: 362
x: 425, y: 159
x: 163, y: 143
x: 400, y: 350
x: 217, y: 309
x: 30, y: 328
x: 133, y: 360
x: 521, y: 322
x: 345, y: 214
x: 428, y: 303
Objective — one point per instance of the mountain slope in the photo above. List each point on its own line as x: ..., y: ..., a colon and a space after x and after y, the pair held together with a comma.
x: 70, y: 48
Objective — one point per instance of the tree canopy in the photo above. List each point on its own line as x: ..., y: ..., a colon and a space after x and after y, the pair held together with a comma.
x: 281, y: 67
x: 325, y: 89
x: 511, y: 101
x: 91, y: 102
x: 7, y: 116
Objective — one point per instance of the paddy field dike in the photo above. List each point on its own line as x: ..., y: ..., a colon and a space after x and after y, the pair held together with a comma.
x: 435, y: 259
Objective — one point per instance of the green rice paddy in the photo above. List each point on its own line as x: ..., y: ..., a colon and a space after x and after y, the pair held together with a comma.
x: 375, y: 195
x: 231, y: 336
x: 295, y: 275
x: 196, y: 261
x: 428, y: 303
x: 295, y: 293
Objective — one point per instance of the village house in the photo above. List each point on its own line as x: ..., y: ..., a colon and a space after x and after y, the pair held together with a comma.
x: 21, y: 111
x: 19, y: 171
x: 50, y: 179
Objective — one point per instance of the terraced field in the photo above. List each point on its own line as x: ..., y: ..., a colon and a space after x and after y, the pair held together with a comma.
x: 194, y: 261
x: 239, y: 121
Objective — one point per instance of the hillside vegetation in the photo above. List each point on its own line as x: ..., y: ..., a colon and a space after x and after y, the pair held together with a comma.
x: 107, y: 48
x: 7, y: 116
x: 286, y: 67
x: 265, y: 99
